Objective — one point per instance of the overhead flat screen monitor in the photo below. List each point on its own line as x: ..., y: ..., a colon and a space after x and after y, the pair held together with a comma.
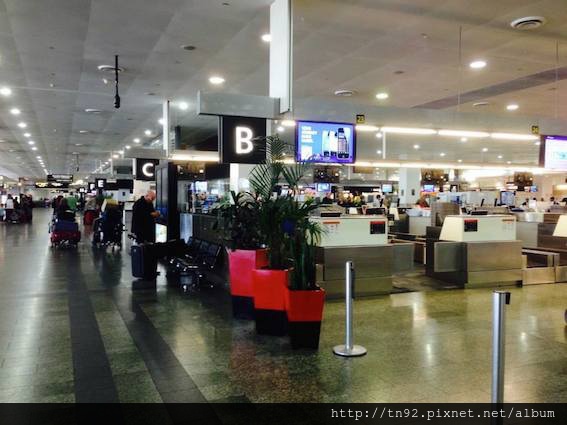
x: 553, y: 152
x: 325, y: 142
x: 387, y: 188
x: 429, y: 188
x: 323, y: 187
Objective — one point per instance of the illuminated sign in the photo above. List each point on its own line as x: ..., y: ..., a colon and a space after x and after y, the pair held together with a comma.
x: 242, y: 140
x: 145, y: 169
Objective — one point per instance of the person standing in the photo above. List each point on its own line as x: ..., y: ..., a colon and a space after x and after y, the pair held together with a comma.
x: 143, y: 218
x: 9, y: 207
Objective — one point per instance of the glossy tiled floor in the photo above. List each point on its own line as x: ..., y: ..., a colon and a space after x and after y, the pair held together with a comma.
x: 72, y: 329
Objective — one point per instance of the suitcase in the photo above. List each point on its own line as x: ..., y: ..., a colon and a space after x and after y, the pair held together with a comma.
x: 144, y: 261
x: 65, y: 226
x: 59, y: 236
x: 89, y: 217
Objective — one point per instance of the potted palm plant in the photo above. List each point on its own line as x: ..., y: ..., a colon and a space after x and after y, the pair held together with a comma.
x: 290, y: 238
x: 238, y: 221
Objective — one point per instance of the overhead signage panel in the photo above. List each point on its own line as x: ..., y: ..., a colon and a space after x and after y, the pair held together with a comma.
x: 64, y: 178
x: 242, y: 140
x: 145, y: 169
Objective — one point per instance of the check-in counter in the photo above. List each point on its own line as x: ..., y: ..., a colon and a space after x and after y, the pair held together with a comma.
x: 477, y: 251
x: 418, y: 225
x: 363, y: 240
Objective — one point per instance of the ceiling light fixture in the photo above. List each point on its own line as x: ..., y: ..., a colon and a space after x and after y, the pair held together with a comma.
x: 280, y: 129
x: 478, y: 64
x: 136, y: 140
x: 537, y: 143
x: 33, y: 148
x: 15, y: 111
x: 31, y: 142
x: 22, y: 125
x: 364, y: 127
x: 478, y: 104
x: 92, y: 111
x: 121, y: 152
x: 5, y: 91
x: 416, y: 146
x: 512, y: 107
x: 485, y: 149
x: 115, y: 156
x: 463, y: 133
x: 127, y: 147
x: 344, y: 93
x: 379, y: 135
x: 464, y: 139
x: 442, y: 154
x: 379, y: 152
x: 406, y: 130
x: 266, y: 38
x: 160, y: 121
x: 459, y: 160
x: 382, y: 96
x: 512, y: 136
x: 183, y: 106
x: 216, y: 80
x: 27, y: 135
x: 288, y: 123
x: 148, y: 132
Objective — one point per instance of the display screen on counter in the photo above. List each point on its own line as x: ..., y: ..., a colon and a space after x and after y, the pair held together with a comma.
x: 553, y: 153
x: 325, y: 142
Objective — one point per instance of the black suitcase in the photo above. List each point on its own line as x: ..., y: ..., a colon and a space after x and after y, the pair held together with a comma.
x: 144, y: 262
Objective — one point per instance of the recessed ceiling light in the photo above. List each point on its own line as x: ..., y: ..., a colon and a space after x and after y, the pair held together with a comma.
x: 379, y: 152
x: 121, y: 152
x: 512, y: 107
x: 459, y: 160
x: 31, y: 142
x: 478, y: 104
x: 136, y: 140
x: 115, y: 156
x: 188, y: 47
x: 508, y: 162
x: 183, y: 106
x: 78, y: 144
x: 216, y: 80
x: 537, y: 143
x: 379, y: 135
x: 148, y: 132
x: 528, y: 23
x: 92, y: 111
x: 33, y: 148
x: 288, y: 123
x: 27, y: 135
x: 382, y: 96
x: 442, y: 154
x: 5, y: 91
x: 478, y: 64
x: 485, y: 149
x: 15, y: 111
x: 161, y: 121
x: 266, y: 38
x: 109, y: 68
x: 83, y: 131
x: 280, y: 129
x: 344, y: 93
x: 416, y: 146
x: 127, y: 147
x: 499, y: 157
x: 464, y: 139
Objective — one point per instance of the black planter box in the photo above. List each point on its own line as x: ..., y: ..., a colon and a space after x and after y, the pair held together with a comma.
x: 242, y: 307
x: 271, y: 322
x: 304, y: 334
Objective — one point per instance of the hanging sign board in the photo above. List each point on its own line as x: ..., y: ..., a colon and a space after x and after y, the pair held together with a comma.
x: 242, y: 140
x: 145, y: 169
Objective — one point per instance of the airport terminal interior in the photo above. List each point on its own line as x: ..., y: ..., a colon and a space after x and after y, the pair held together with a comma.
x: 283, y: 201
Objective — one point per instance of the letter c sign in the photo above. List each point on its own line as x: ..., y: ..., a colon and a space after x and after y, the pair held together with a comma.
x: 148, y: 169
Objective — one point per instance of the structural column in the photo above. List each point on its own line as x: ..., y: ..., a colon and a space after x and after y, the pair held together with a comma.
x: 409, y: 185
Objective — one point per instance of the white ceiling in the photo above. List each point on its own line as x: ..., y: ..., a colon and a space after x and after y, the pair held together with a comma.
x: 357, y: 44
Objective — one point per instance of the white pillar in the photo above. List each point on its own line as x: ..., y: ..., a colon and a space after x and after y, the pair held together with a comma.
x: 409, y: 185
x: 165, y: 128
x: 239, y: 175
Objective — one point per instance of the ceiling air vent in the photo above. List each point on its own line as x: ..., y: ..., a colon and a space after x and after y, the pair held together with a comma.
x: 345, y: 93
x: 528, y: 23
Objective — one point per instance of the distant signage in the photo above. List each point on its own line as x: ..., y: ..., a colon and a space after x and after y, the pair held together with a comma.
x: 51, y: 185
x: 242, y: 140
x: 145, y: 169
x: 361, y: 119
x: 100, y: 184
x: 535, y: 129
x: 64, y: 178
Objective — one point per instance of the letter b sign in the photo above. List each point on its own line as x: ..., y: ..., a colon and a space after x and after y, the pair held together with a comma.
x: 241, y: 140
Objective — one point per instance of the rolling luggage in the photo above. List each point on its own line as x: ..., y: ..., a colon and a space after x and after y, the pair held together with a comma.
x: 65, y: 226
x: 144, y: 261
x: 89, y: 217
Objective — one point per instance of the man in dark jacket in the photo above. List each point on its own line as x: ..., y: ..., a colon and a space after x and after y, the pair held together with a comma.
x: 143, y: 218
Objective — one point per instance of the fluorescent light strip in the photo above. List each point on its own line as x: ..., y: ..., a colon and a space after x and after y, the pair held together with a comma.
x: 362, y: 127
x: 188, y: 157
x: 406, y: 130
x: 512, y: 136
x: 463, y: 133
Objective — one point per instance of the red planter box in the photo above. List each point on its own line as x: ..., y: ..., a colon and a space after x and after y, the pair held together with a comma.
x: 304, y: 314
x: 269, y: 301
x: 241, y: 265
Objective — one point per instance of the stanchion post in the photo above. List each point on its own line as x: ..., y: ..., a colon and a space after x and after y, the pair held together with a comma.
x: 349, y: 349
x: 499, y: 301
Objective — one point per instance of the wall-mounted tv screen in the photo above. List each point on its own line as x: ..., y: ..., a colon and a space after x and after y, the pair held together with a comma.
x: 553, y: 152
x: 429, y: 188
x: 323, y: 187
x: 387, y: 188
x: 325, y: 142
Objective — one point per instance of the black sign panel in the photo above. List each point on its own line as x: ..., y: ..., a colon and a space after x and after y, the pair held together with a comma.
x: 146, y: 169
x: 63, y: 178
x: 51, y: 185
x: 100, y: 183
x: 239, y: 140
